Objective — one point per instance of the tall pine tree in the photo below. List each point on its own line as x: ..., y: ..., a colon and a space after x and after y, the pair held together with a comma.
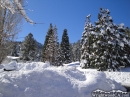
x: 56, y: 56
x: 45, y: 45
x: 51, y: 50
x: 65, y: 47
x: 87, y: 42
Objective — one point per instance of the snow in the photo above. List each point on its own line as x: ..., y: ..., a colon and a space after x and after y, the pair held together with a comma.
x: 109, y: 42
x: 89, y: 16
x: 121, y: 44
x: 94, y: 45
x: 94, y: 33
x: 102, y: 31
x: 12, y: 57
x: 11, y: 66
x: 117, y: 35
x: 110, y: 18
x: 121, y: 25
x: 37, y: 79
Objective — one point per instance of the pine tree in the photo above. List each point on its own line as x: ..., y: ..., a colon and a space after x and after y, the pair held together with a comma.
x: 28, y: 48
x: 65, y: 47
x: 87, y: 43
x: 50, y: 48
x: 109, y: 43
x: 56, y: 56
x: 44, y: 50
x: 104, y: 46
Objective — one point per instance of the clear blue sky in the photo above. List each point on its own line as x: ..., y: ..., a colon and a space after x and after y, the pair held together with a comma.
x: 70, y: 14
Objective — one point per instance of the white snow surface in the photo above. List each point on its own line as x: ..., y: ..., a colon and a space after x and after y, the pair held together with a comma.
x: 37, y: 79
x: 11, y: 66
x: 12, y: 57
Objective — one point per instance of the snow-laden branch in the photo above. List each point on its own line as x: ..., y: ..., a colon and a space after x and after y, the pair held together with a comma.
x: 13, y: 6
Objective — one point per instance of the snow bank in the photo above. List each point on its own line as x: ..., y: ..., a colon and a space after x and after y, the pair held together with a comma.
x: 11, y: 66
x: 120, y: 77
x: 37, y: 79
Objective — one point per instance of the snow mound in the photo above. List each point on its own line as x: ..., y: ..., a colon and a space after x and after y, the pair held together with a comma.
x: 37, y: 79
x: 120, y: 77
x: 11, y: 66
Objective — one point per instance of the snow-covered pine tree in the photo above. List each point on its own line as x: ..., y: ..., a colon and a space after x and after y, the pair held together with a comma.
x: 28, y: 48
x: 45, y: 47
x: 49, y: 48
x: 111, y: 43
x: 65, y: 47
x: 104, y: 41
x: 104, y: 46
x: 123, y: 42
x: 56, y: 56
x: 127, y: 47
x: 87, y: 39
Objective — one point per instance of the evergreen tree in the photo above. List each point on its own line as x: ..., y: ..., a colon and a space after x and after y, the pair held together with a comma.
x: 44, y: 50
x: 65, y: 47
x: 28, y: 48
x: 56, y: 56
x: 110, y: 42
x: 51, y: 47
x: 88, y: 37
x: 104, y: 46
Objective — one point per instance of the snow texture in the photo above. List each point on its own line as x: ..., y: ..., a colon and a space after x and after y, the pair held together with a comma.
x: 12, y: 57
x: 37, y: 79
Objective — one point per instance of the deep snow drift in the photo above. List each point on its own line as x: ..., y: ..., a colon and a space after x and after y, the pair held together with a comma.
x: 37, y: 79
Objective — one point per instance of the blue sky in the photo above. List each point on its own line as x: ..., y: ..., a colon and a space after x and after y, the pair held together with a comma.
x: 70, y: 14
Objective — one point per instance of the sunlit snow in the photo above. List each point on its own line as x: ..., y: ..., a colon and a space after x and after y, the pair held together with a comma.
x: 37, y: 79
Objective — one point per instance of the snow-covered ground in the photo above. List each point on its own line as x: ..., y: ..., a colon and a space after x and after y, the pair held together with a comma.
x: 37, y: 79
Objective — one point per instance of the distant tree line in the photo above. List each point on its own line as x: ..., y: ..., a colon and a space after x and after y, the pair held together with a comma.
x: 52, y: 51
